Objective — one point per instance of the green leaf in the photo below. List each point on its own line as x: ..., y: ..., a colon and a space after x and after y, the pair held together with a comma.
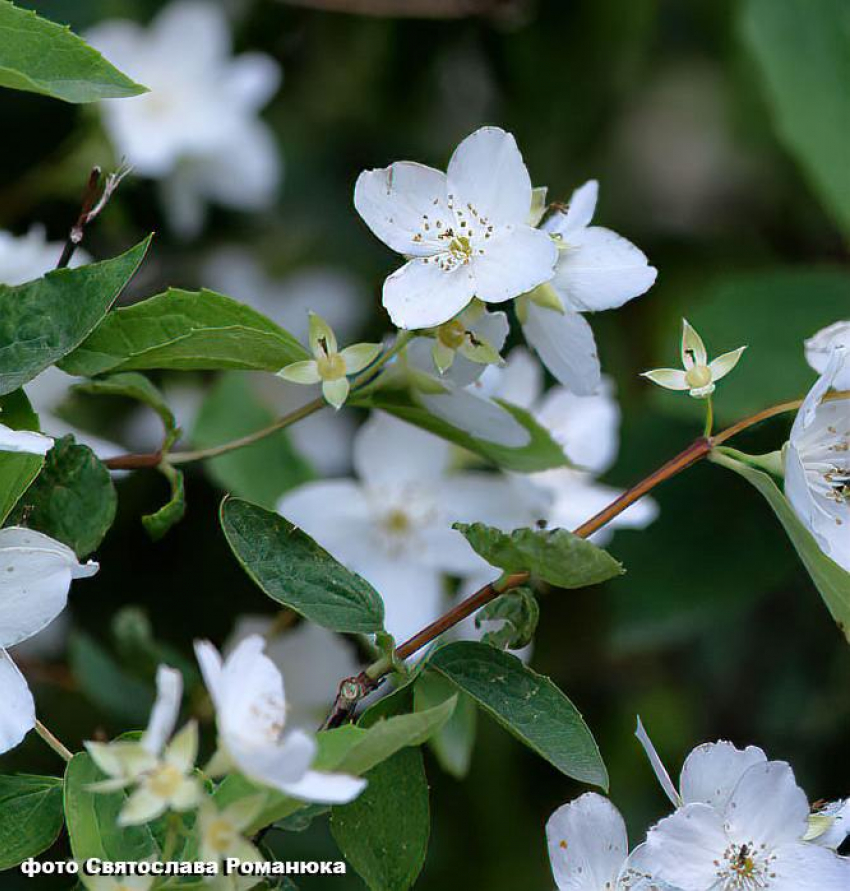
x: 43, y: 320
x: 31, y: 816
x: 73, y: 499
x: 831, y: 580
x: 92, y: 819
x: 553, y: 555
x: 261, y: 472
x: 541, y: 453
x: 185, y: 331
x: 454, y: 742
x: 39, y: 56
x: 384, y: 833
x: 17, y: 471
x: 517, y: 613
x: 350, y: 749
x: 809, y: 101
x: 157, y: 524
x: 137, y: 646
x: 293, y: 570
x: 529, y: 705
x: 132, y: 385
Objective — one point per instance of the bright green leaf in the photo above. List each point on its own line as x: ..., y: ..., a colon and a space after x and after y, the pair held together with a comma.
x: 384, y: 832
x: 453, y: 743
x: 553, y: 555
x: 296, y: 572
x: 831, y: 580
x: 132, y: 385
x: 39, y: 56
x: 17, y: 471
x: 43, y: 320
x: 185, y: 331
x: 31, y: 816
x: 529, y: 705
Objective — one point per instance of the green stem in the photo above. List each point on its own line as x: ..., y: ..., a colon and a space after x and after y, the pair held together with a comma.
x: 61, y: 750
x: 709, y: 417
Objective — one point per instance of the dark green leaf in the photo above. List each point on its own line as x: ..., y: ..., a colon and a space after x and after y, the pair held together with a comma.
x: 529, y: 705
x: 73, y: 500
x: 831, y: 580
x: 17, y: 471
x: 185, y: 331
x: 39, y: 56
x: 517, y: 614
x: 157, y: 524
x: 293, y: 570
x: 553, y: 555
x: 44, y: 320
x: 261, y: 472
x: 384, y: 833
x: 31, y: 817
x: 809, y: 101
x: 454, y: 742
x: 132, y: 385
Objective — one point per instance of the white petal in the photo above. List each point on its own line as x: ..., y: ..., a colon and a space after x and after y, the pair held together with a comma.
x: 487, y: 171
x: 395, y: 201
x: 693, y: 349
x: 838, y: 812
x: 492, y: 327
x: 252, y: 79
x: 809, y: 868
x: 336, y: 392
x: 565, y: 343
x: 669, y: 378
x: 587, y: 844
x: 182, y: 752
x: 166, y: 708
x: 711, y: 772
x: 275, y: 764
x: 24, y: 441
x: 421, y: 295
x: 520, y: 381
x: 601, y: 270
x: 141, y: 807
x: 515, y: 260
x: 658, y: 767
x: 193, y: 31
x: 722, y: 365
x: 579, y: 213
x: 767, y: 806
x: 304, y: 372
x: 17, y: 708
x: 413, y: 595
x: 211, y: 667
x: 481, y: 418
x: 819, y: 348
x: 326, y: 788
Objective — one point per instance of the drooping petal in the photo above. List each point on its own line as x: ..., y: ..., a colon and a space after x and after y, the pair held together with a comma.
x: 487, y: 172
x: 422, y: 295
x: 397, y: 202
x: 17, y: 707
x: 514, y: 260
x: 24, y: 441
x: 587, y: 844
x: 481, y: 418
x: 274, y: 763
x: 326, y: 788
x: 565, y: 343
x: 166, y: 708
x: 336, y: 392
x: 722, y: 365
x: 711, y: 772
x: 693, y: 349
x: 306, y: 372
x: 658, y: 767
x: 579, y: 213
x: 669, y: 378
x: 801, y: 867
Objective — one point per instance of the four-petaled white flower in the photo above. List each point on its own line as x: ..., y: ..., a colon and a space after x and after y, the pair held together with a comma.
x: 197, y: 128
x: 817, y: 463
x: 819, y: 347
x: 466, y: 336
x: 596, y: 270
x: 465, y: 232
x: 160, y: 769
x: 699, y: 375
x: 248, y: 694
x: 37, y: 573
x: 331, y: 366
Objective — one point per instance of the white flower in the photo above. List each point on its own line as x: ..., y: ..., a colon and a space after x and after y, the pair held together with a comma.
x: 817, y: 464
x: 393, y: 524
x: 311, y: 658
x: 829, y: 825
x: 820, y: 347
x: 37, y: 573
x: 330, y: 366
x: 198, y: 126
x: 588, y: 849
x: 465, y: 233
x: 160, y: 768
x: 222, y: 835
x: 27, y: 441
x: 24, y: 258
x: 248, y: 694
x: 596, y: 270
x: 699, y: 375
x: 125, y: 883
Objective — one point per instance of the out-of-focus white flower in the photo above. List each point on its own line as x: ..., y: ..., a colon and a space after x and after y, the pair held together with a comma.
x: 37, y: 572
x: 820, y: 347
x: 465, y: 232
x: 125, y: 883
x: 26, y: 441
x: 248, y: 694
x: 596, y: 270
x: 330, y: 366
x: 588, y: 849
x: 24, y: 258
x: 392, y: 525
x: 221, y: 836
x: 699, y: 375
x: 311, y: 658
x: 198, y: 127
x: 817, y: 463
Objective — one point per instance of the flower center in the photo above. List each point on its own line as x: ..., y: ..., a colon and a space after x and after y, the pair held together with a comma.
x: 331, y: 367
x: 165, y: 781
x: 745, y: 868
x: 452, y: 334
x: 397, y: 522
x: 698, y: 376
x: 220, y: 836
x: 460, y: 248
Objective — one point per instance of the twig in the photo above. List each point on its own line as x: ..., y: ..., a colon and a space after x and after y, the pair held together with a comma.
x: 61, y: 750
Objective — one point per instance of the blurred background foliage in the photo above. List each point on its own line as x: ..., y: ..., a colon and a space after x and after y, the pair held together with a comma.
x: 719, y: 131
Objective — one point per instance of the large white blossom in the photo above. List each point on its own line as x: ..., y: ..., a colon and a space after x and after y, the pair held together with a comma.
x: 817, y: 463
x: 819, y: 347
x: 37, y: 572
x: 465, y: 233
x: 198, y: 128
x: 596, y: 270
x: 250, y: 705
x: 392, y: 525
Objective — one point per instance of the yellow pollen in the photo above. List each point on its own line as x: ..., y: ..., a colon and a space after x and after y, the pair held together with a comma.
x: 698, y: 376
x: 461, y: 247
